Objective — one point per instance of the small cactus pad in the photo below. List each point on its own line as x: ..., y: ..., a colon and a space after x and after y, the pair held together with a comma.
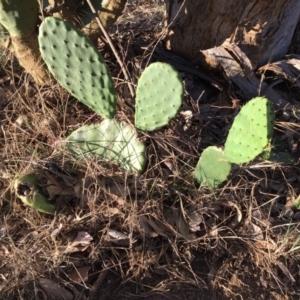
x: 251, y: 131
x: 159, y: 95
x: 111, y: 141
x: 77, y: 65
x: 213, y: 167
x: 28, y: 190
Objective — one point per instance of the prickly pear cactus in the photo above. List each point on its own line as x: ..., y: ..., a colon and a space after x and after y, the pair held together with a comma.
x: 28, y: 190
x: 213, y: 167
x: 251, y: 131
x: 110, y: 141
x: 19, y: 17
x: 77, y: 65
x: 159, y: 95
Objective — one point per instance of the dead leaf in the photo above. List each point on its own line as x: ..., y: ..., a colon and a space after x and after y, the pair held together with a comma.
x: 160, y: 227
x: 182, y: 225
x: 285, y: 270
x: 118, y: 237
x: 220, y: 211
x: 53, y: 190
x: 83, y: 238
x: 118, y: 193
x: 59, y: 187
x: 119, y: 190
x: 78, y: 189
x: 117, y: 234
x: 170, y: 165
x: 96, y: 290
x: 55, y: 290
x: 146, y: 227
x: 255, y: 232
x: 56, y: 231
x: 195, y: 218
x: 72, y: 248
x: 81, y: 243
x: 80, y: 275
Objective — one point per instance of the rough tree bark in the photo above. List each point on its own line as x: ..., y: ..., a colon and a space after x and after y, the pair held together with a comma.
x: 263, y: 29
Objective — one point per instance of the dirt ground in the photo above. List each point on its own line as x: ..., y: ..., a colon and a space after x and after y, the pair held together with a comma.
x: 156, y: 235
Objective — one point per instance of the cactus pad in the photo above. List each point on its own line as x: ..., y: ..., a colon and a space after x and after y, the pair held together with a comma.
x: 213, y: 167
x: 158, y: 97
x: 111, y: 141
x: 19, y: 17
x: 251, y: 131
x: 77, y: 65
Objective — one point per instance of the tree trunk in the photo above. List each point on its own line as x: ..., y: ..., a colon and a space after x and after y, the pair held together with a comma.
x: 263, y: 30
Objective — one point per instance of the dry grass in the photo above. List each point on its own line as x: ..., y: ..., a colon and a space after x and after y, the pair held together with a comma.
x: 243, y: 244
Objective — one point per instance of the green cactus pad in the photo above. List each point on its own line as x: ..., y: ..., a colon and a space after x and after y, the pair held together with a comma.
x: 159, y: 95
x: 28, y: 190
x: 19, y: 17
x: 77, y: 65
x: 213, y: 167
x: 251, y: 131
x: 111, y: 141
